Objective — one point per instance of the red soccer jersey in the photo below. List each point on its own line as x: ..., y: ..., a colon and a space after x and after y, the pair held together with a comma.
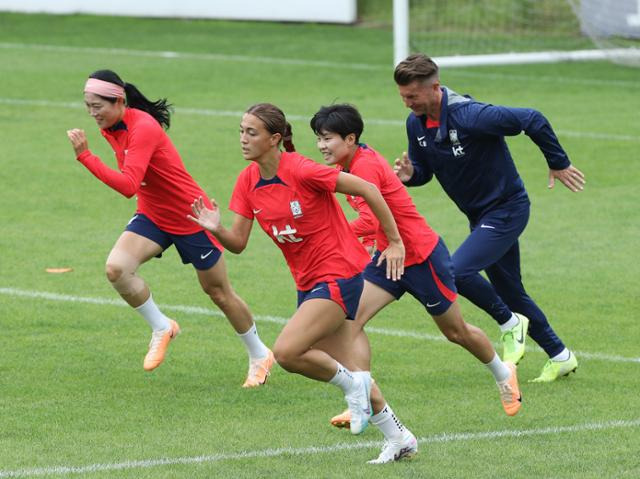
x: 365, y: 226
x: 150, y: 168
x: 418, y: 237
x: 299, y: 212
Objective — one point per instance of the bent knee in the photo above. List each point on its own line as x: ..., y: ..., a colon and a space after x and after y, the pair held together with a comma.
x: 113, y: 271
x: 456, y: 335
x: 222, y: 297
x: 286, y: 358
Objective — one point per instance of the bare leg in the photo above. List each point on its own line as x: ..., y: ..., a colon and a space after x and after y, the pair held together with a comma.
x: 471, y: 338
x: 356, y: 350
x: 130, y: 251
x: 294, y: 349
x: 215, y: 282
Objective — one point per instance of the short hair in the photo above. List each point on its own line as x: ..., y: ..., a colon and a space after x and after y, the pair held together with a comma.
x: 415, y: 67
x: 342, y: 119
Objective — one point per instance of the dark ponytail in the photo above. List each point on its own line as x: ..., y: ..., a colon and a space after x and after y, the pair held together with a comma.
x: 160, y: 110
x: 287, y: 139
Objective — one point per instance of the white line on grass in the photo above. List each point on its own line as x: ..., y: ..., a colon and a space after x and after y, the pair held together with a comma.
x: 238, y: 114
x: 313, y: 450
x: 21, y: 293
x: 551, y: 79
x: 173, y: 55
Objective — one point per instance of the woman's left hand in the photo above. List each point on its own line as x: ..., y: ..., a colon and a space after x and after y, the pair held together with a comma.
x: 394, y: 254
x: 207, y: 218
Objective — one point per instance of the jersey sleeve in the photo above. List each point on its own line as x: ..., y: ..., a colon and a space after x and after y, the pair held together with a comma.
x: 483, y: 119
x: 317, y: 177
x: 366, y: 224
x: 369, y: 169
x: 238, y: 202
x: 143, y: 140
x: 422, y: 172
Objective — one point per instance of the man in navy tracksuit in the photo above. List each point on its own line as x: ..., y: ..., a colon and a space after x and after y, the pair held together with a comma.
x: 461, y: 142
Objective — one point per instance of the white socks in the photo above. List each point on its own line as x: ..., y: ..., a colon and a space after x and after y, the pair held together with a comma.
x: 152, y: 315
x: 343, y: 379
x: 388, y: 423
x: 253, y: 343
x: 512, y: 323
x: 563, y: 355
x: 499, y: 370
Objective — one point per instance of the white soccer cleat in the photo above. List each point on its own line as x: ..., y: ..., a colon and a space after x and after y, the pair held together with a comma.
x: 404, y: 448
x: 359, y: 401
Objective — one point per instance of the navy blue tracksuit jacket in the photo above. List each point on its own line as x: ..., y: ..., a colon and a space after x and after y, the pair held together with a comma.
x: 468, y: 153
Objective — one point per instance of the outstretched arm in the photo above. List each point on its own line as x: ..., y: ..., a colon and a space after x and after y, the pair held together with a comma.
x: 395, y: 252
x: 234, y: 239
x: 505, y: 121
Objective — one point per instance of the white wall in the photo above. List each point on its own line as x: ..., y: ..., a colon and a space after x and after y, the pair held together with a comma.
x: 332, y: 11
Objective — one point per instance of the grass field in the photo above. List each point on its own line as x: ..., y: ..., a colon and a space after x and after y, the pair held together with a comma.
x: 74, y: 400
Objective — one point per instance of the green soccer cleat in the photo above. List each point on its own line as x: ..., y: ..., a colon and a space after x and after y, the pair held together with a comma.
x: 513, y: 340
x: 552, y: 370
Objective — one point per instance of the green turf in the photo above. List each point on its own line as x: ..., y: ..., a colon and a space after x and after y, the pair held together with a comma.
x: 72, y: 389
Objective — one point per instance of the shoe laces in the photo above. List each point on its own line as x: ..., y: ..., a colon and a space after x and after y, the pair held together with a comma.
x: 256, y: 365
x: 387, y: 450
x: 548, y: 366
x: 506, y: 393
x: 507, y: 337
x: 391, y: 448
x: 156, y: 337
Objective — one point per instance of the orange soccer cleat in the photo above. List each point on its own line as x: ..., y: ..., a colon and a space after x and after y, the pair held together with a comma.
x: 259, y: 371
x: 342, y: 420
x: 510, y: 392
x: 158, y: 346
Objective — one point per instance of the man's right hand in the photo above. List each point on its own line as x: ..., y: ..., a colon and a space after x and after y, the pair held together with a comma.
x: 403, y: 168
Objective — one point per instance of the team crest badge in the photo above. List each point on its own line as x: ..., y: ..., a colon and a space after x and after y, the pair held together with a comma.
x: 453, y: 136
x: 296, y: 210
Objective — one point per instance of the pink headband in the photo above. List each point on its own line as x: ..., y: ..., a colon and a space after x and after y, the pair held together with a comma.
x: 104, y: 88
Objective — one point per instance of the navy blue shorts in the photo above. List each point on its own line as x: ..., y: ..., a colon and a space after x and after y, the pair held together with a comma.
x: 197, y: 248
x: 430, y: 282
x: 345, y: 292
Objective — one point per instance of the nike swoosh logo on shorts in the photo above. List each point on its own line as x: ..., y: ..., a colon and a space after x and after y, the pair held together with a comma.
x: 487, y: 226
x: 203, y: 256
x: 433, y: 305
x: 316, y: 289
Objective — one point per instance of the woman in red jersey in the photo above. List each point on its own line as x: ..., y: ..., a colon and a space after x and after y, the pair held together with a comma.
x: 150, y: 168
x: 292, y: 199
x: 428, y: 270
